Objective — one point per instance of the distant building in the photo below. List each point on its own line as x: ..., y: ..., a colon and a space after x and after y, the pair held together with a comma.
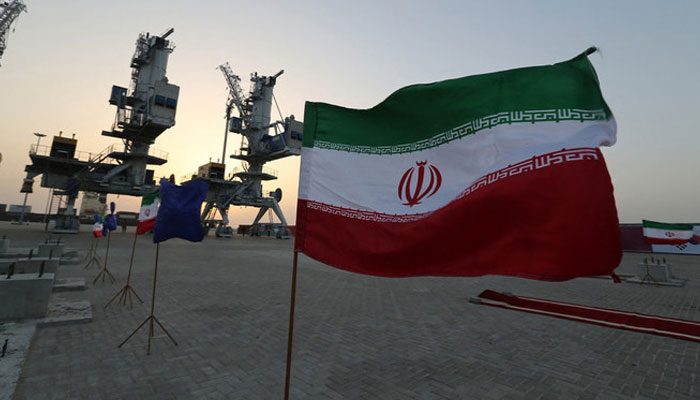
x: 126, y: 218
x: 91, y: 205
x: 17, y: 209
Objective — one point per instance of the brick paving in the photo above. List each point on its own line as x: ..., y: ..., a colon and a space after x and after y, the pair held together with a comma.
x: 356, y: 337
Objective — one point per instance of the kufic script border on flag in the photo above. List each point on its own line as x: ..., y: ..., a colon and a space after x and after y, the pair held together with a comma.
x: 470, y: 128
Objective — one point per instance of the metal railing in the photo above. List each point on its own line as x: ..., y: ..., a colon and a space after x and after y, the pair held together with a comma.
x: 39, y: 150
x: 127, y: 116
x: 230, y: 175
x: 42, y: 150
x: 99, y: 157
x: 86, y: 156
x: 265, y: 170
x: 188, y: 177
x: 153, y: 152
x: 121, y: 148
x: 234, y: 171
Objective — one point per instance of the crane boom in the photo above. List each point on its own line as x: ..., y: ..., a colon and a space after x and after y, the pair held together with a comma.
x: 9, y: 11
x: 235, y: 96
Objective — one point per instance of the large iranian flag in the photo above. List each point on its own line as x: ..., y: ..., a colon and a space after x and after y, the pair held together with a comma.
x: 148, y: 212
x: 664, y: 233
x: 489, y: 174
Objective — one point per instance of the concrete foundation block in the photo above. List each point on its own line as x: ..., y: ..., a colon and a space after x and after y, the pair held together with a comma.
x: 29, y: 266
x: 25, y: 296
x: 658, y: 272
x: 51, y: 249
x: 67, y: 313
x: 69, y: 284
x: 15, y: 252
x: 4, y: 246
x: 70, y: 258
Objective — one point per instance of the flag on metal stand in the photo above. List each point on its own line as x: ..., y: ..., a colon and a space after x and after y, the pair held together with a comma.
x: 97, y: 227
x: 92, y: 256
x: 179, y: 212
x: 109, y: 224
x: 176, y: 217
x: 146, y: 221
x: 497, y: 174
x: 148, y: 212
x: 489, y: 174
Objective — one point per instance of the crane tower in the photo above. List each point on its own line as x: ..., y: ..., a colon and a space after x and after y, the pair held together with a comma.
x: 9, y: 11
x: 144, y: 110
x: 262, y: 141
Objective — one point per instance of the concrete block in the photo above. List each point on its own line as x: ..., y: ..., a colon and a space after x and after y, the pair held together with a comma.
x: 4, y: 246
x: 15, y: 252
x: 658, y: 272
x: 30, y: 266
x: 19, y: 336
x: 51, y: 249
x: 25, y: 296
x: 67, y: 313
x: 70, y: 257
x: 69, y: 284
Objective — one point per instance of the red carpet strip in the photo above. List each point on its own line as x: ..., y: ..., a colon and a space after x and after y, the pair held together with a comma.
x: 631, y: 321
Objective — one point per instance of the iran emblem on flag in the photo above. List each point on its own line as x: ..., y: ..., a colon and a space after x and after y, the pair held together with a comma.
x: 148, y: 212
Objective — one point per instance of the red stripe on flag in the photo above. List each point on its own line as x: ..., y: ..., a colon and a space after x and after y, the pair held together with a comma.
x: 553, y: 223
x: 145, y: 226
x: 657, y: 325
x: 651, y: 240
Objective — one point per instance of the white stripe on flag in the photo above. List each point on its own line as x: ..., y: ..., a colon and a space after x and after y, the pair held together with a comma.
x: 338, y: 174
x: 668, y: 234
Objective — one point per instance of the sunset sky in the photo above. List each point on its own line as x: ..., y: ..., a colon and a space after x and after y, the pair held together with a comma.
x: 64, y: 56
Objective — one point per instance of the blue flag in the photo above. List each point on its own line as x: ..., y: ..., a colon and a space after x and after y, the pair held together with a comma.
x: 178, y: 214
x: 110, y: 222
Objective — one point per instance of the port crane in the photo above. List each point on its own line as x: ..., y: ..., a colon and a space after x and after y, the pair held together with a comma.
x: 144, y: 111
x: 262, y: 141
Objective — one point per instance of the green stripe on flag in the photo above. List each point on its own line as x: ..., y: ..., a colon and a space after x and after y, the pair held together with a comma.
x: 457, y: 107
x: 662, y: 225
x: 148, y: 199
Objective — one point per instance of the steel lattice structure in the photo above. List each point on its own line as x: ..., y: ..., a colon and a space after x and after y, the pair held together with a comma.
x: 9, y: 11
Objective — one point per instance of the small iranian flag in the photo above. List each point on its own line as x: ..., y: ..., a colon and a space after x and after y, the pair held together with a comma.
x: 97, y: 228
x: 147, y: 215
x: 662, y: 233
x: 488, y: 174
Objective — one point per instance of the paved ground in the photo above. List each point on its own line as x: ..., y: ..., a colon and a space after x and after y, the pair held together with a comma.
x: 356, y: 337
